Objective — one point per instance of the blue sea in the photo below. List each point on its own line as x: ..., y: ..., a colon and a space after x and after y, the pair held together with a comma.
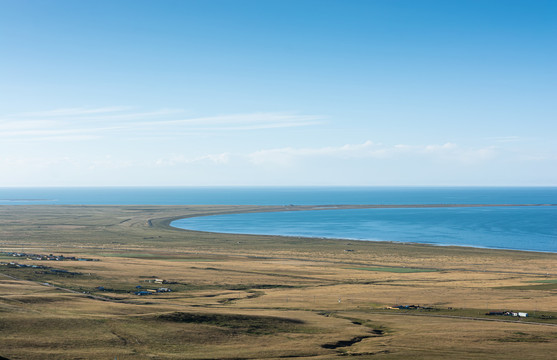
x: 521, y: 228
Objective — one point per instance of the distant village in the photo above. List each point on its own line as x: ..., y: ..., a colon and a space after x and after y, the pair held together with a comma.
x: 507, y: 313
x: 45, y: 257
x: 47, y: 269
x: 141, y: 291
x: 491, y: 313
x: 41, y: 257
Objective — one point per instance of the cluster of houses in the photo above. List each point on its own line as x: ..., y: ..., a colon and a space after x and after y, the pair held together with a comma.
x: 142, y: 292
x: 13, y: 264
x: 44, y: 257
x: 151, y: 291
x: 408, y: 307
x: 48, y: 269
x: 158, y: 281
x: 416, y: 307
x: 508, y: 313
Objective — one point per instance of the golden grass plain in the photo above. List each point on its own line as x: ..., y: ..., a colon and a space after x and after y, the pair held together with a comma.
x: 259, y: 297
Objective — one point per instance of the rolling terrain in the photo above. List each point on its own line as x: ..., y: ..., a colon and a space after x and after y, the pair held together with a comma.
x: 157, y: 292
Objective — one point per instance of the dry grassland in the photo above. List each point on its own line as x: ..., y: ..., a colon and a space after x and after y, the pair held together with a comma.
x: 258, y: 297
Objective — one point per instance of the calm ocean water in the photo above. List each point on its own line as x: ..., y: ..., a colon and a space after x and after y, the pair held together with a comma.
x: 522, y: 228
x: 276, y: 195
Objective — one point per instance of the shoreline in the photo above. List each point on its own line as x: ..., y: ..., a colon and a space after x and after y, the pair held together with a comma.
x: 137, y: 218
x: 292, y: 208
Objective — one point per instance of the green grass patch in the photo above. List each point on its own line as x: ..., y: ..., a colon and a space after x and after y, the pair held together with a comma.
x: 156, y: 257
x: 132, y: 255
x: 193, y: 260
x: 520, y: 336
x: 543, y: 286
x: 549, y: 281
x: 394, y: 269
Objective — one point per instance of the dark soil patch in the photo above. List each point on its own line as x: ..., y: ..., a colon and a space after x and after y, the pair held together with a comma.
x: 36, y: 299
x: 524, y: 337
x: 344, y: 343
x: 243, y: 323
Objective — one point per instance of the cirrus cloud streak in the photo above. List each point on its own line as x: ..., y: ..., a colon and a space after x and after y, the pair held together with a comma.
x: 369, y: 150
x: 96, y: 123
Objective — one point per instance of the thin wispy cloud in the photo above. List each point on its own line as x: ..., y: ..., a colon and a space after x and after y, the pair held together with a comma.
x: 23, y: 125
x: 370, y: 150
x: 245, y: 119
x: 174, y: 160
x: 237, y: 122
x: 504, y: 139
x: 145, y: 115
x: 95, y: 123
x: 240, y: 127
x: 72, y: 112
x: 42, y: 132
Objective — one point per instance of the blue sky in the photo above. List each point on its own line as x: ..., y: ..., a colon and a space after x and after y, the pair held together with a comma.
x: 375, y: 92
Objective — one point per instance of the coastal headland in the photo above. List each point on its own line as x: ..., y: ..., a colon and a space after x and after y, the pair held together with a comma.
x: 106, y: 282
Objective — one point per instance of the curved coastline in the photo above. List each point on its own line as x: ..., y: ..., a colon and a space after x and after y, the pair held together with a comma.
x: 291, y: 208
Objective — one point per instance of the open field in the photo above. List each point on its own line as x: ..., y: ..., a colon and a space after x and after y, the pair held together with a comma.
x: 257, y: 297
